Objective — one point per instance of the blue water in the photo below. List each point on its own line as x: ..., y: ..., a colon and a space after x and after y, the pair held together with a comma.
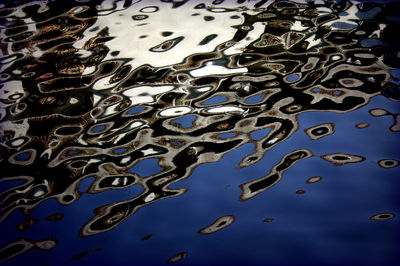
x: 328, y: 225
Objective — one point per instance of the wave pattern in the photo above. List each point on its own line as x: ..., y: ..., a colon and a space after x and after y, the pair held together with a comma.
x: 78, y: 103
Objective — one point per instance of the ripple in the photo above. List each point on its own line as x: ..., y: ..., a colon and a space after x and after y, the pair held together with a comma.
x: 219, y: 224
x: 342, y: 158
x: 388, y: 163
x: 382, y: 216
x: 177, y: 257
x: 320, y: 131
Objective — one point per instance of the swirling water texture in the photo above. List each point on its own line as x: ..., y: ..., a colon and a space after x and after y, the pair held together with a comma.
x: 138, y: 94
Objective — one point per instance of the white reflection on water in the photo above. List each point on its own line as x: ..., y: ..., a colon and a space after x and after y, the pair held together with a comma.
x: 183, y: 21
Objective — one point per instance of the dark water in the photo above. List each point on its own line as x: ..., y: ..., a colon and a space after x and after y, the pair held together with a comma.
x: 199, y: 133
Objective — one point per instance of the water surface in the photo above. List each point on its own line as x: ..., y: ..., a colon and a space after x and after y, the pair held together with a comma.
x: 199, y: 132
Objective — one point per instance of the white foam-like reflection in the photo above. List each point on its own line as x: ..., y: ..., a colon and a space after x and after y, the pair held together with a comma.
x: 145, y: 94
x: 216, y: 70
x: 175, y: 111
x: 134, y: 38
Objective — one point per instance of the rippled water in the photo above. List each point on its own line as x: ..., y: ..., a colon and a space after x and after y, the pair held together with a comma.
x: 199, y: 132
